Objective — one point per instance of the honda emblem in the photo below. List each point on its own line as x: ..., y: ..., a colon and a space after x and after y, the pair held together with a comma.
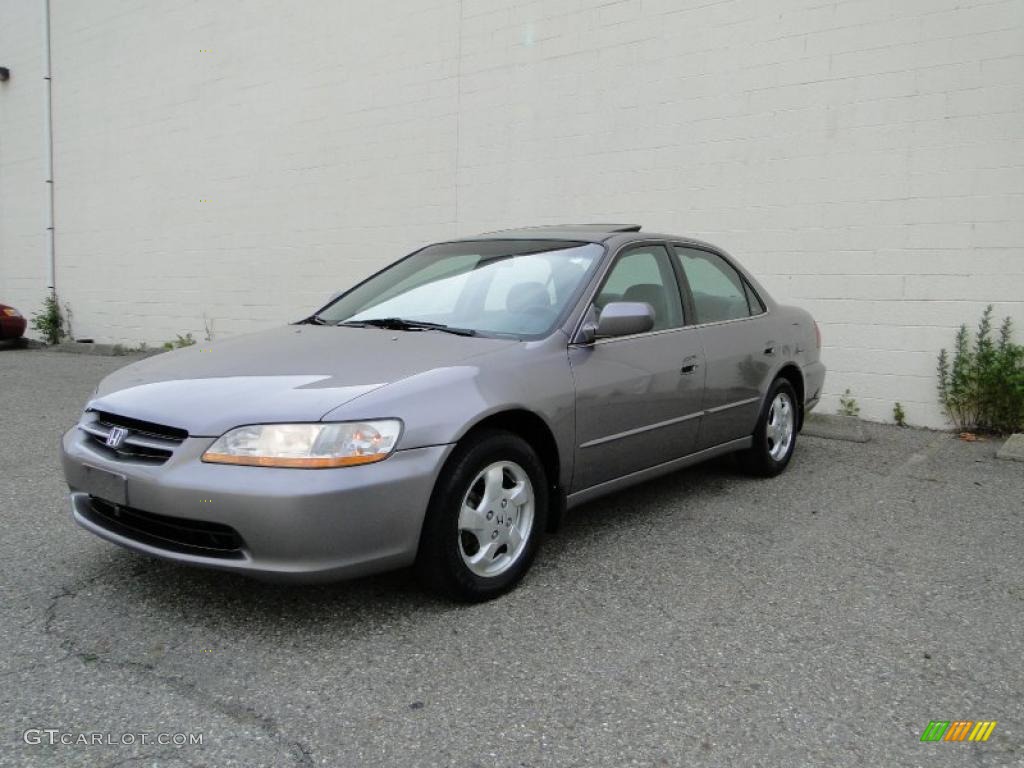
x: 115, y: 437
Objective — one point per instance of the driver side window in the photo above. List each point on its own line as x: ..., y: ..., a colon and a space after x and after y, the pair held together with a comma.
x: 644, y: 273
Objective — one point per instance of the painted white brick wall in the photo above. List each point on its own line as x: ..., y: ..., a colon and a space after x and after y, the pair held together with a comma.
x: 864, y: 157
x: 23, y: 191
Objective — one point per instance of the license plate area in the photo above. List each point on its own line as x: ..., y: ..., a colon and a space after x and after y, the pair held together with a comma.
x: 105, y: 485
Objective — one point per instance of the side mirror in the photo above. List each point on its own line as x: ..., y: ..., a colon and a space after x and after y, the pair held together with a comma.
x: 624, y: 318
x: 618, y: 318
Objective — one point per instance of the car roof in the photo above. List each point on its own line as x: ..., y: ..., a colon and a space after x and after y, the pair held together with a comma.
x: 585, y: 233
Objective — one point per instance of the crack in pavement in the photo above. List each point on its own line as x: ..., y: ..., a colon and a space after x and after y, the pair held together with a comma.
x: 239, y: 713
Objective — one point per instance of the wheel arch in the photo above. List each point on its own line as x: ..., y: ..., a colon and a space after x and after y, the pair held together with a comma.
x: 532, y: 428
x: 791, y: 372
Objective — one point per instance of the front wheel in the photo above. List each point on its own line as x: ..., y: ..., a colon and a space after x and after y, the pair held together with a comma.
x: 485, y: 519
x: 775, y: 435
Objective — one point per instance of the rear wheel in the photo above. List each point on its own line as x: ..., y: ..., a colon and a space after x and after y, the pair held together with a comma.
x: 775, y: 435
x: 486, y: 518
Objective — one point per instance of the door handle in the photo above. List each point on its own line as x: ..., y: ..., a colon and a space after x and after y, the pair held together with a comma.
x: 690, y: 365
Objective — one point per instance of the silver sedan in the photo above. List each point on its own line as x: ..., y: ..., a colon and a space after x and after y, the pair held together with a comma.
x: 445, y: 412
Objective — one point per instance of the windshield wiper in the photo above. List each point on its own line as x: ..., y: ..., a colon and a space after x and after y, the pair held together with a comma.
x: 401, y: 324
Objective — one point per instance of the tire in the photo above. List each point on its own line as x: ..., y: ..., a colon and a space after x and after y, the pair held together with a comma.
x: 769, y: 456
x: 472, y: 553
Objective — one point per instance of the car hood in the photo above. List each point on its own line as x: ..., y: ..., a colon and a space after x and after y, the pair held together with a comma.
x: 294, y: 373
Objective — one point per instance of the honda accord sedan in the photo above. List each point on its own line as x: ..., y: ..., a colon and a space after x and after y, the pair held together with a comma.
x: 447, y: 411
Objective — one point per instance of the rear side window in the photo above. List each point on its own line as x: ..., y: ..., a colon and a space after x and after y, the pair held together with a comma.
x: 719, y: 293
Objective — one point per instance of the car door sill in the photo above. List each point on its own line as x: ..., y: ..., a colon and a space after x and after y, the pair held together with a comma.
x: 642, y: 475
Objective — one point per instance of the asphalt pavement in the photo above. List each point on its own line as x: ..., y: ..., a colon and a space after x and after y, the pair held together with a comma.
x: 820, y: 618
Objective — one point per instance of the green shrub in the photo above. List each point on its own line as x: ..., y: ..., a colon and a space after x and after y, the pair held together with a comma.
x: 50, y: 322
x: 982, y: 386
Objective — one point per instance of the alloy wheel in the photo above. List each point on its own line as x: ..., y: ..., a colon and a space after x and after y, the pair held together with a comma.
x: 496, y: 519
x: 781, y: 425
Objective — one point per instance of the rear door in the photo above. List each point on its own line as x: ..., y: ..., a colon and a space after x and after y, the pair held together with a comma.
x: 731, y: 322
x: 638, y: 398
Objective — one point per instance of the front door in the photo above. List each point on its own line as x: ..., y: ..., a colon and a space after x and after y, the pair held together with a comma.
x: 638, y: 398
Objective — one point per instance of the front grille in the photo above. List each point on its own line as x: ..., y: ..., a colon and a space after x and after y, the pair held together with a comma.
x: 142, y: 427
x: 176, y: 534
x: 145, y: 442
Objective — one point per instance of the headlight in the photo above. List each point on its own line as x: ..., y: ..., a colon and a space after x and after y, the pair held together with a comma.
x: 307, y: 446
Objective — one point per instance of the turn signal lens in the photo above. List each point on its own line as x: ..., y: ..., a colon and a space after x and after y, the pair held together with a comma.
x: 11, y: 312
x: 306, y: 446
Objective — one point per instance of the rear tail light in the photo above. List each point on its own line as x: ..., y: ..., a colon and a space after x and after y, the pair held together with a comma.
x: 817, y: 335
x: 11, y: 312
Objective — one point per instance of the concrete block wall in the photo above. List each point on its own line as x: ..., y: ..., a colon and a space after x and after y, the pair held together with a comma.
x: 240, y: 161
x: 23, y: 189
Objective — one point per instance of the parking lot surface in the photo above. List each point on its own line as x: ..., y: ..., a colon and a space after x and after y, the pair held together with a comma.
x: 820, y: 618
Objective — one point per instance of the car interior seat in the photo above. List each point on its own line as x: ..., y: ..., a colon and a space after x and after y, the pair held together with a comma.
x: 528, y: 297
x: 654, y: 295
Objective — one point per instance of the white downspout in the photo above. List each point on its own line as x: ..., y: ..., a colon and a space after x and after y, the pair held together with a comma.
x: 51, y: 278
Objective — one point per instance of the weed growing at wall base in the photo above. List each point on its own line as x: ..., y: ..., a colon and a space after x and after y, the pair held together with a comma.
x: 982, y: 386
x: 848, y: 404
x: 899, y: 415
x: 181, y: 341
x: 50, y: 322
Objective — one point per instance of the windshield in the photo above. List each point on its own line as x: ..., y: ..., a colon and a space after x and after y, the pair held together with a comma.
x: 505, y: 287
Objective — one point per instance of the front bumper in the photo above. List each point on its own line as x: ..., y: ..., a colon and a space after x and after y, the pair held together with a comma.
x: 294, y: 524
